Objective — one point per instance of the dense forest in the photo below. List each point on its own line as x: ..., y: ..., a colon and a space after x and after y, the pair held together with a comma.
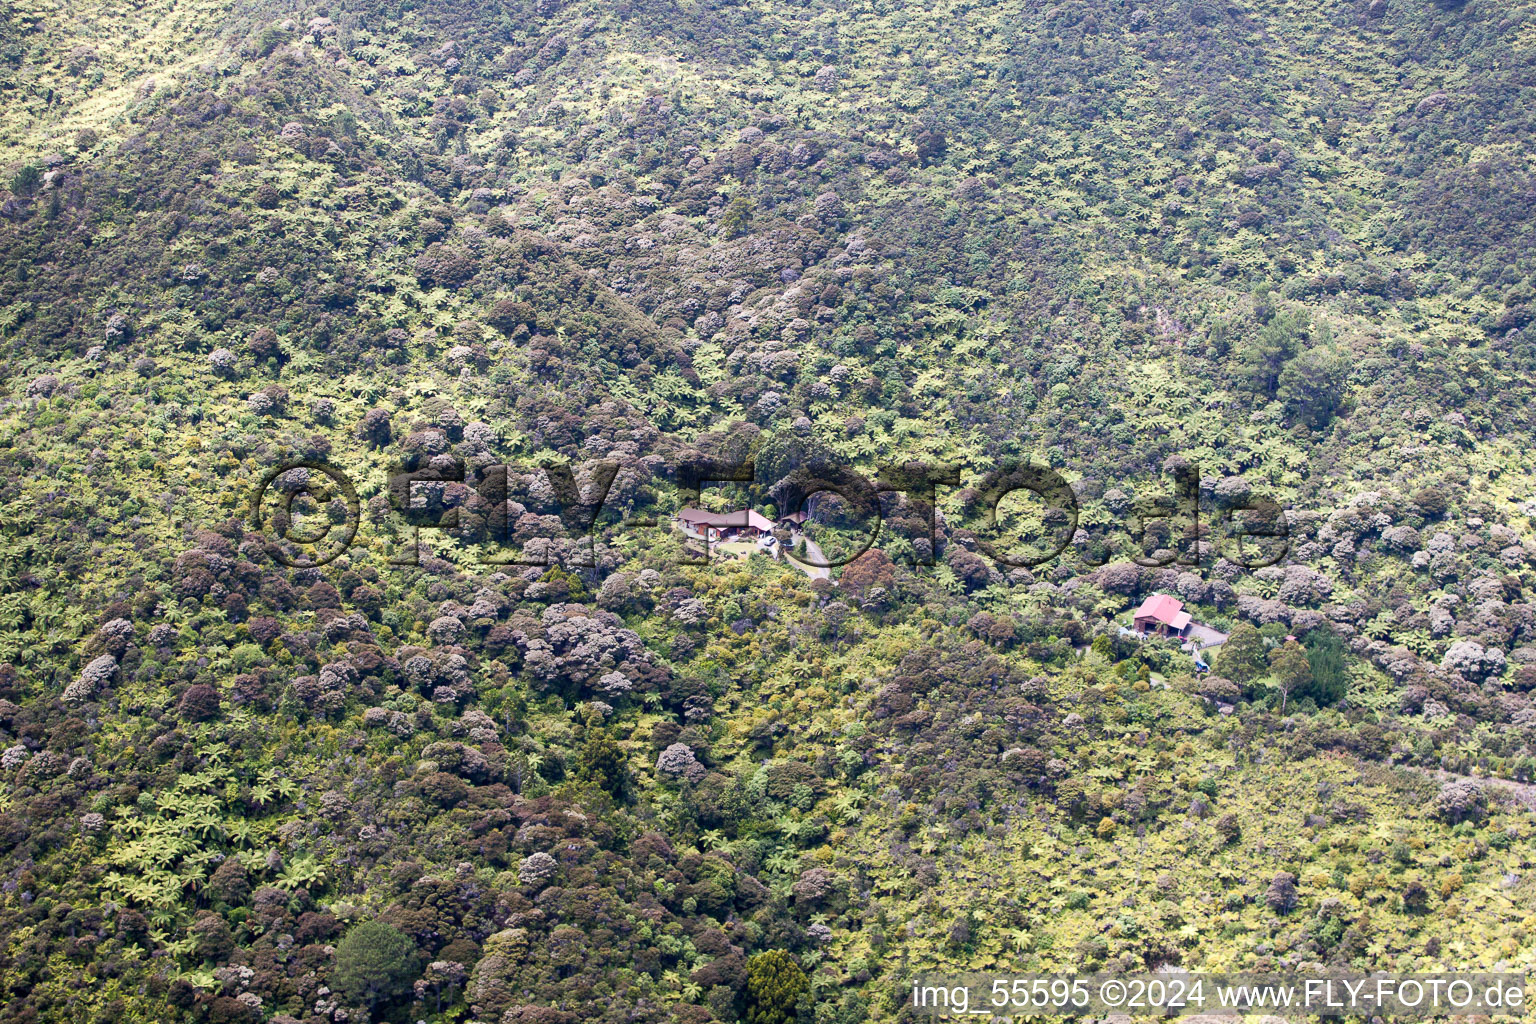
x: 356, y: 360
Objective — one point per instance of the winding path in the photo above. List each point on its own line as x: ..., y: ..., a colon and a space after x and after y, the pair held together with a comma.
x: 813, y: 550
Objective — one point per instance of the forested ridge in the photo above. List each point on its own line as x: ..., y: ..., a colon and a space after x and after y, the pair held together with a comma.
x: 514, y: 759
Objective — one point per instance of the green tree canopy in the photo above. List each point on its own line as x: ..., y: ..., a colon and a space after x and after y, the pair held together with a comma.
x: 1242, y: 656
x: 1288, y: 663
x: 374, y: 963
x: 774, y: 985
x: 1325, y: 657
x: 1312, y: 386
x: 602, y: 762
x: 736, y: 217
x: 1261, y: 359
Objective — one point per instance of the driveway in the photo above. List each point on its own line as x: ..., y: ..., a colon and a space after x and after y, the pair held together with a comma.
x: 1205, y: 636
x: 813, y: 552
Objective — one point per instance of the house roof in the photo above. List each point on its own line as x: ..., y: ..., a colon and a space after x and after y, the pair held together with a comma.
x: 793, y: 517
x: 1164, y: 608
x: 730, y: 520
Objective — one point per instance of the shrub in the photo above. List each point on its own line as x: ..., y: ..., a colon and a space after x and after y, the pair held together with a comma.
x: 774, y: 985
x: 1228, y: 828
x: 1325, y: 659
x: 679, y: 762
x: 374, y: 963
x: 26, y: 180
x: 198, y: 704
x: 1281, y: 895
x: 1415, y: 897
x: 375, y: 428
x: 1461, y: 801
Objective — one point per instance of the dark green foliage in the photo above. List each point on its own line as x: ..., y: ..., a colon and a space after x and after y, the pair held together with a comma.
x: 1242, y: 657
x: 1261, y: 360
x: 1325, y: 660
x: 1433, y: 502
x: 603, y: 763
x: 25, y: 180
x: 375, y: 962
x: 270, y: 39
x: 737, y: 216
x: 1312, y: 386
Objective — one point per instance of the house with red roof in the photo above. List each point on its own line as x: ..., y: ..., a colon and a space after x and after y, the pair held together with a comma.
x: 1163, y: 614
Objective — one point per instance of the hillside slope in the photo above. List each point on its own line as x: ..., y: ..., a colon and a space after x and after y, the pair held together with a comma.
x: 534, y: 775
